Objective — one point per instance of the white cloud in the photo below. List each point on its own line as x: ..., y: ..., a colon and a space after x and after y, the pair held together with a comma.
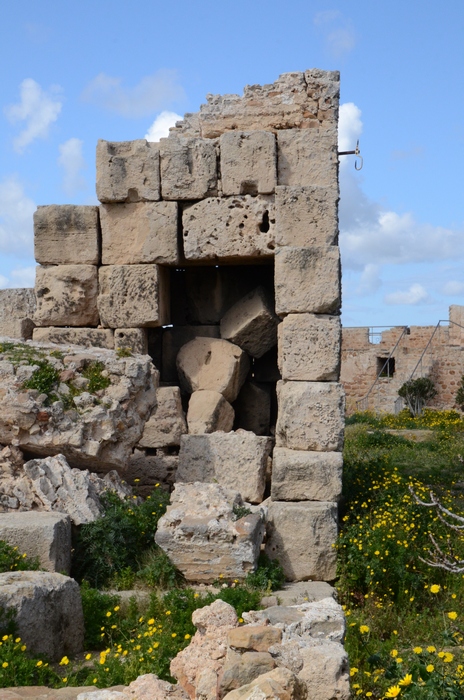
x: 416, y: 294
x: 338, y: 32
x: 326, y: 16
x: 16, y: 211
x: 37, y: 108
x: 72, y: 161
x: 453, y: 287
x: 160, y: 127
x: 151, y: 94
x: 370, y: 280
x: 350, y: 127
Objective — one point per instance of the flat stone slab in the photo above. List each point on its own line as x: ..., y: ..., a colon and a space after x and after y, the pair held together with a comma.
x: 46, y: 536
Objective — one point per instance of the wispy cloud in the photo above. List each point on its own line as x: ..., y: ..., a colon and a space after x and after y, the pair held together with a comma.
x: 338, y: 32
x: 72, y: 161
x: 37, y: 108
x: 160, y: 127
x: 152, y: 93
x: 453, y: 288
x: 416, y: 294
x: 408, y: 153
x: 16, y: 211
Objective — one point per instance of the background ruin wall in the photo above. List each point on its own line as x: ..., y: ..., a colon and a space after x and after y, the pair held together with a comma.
x: 242, y: 196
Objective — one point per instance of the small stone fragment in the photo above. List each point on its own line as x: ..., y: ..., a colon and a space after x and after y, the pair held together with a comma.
x: 251, y: 323
x: 167, y: 421
x: 208, y: 411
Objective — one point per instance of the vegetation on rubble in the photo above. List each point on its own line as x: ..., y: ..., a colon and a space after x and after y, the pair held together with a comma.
x: 405, y: 626
x: 11, y: 559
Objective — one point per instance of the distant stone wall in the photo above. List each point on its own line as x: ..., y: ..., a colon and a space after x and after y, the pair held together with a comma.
x: 217, y: 235
x: 443, y: 362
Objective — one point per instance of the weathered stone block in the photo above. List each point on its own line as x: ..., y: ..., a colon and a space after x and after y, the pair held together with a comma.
x: 248, y: 162
x: 309, y: 347
x: 167, y: 421
x: 300, y: 536
x: 128, y: 171
x: 229, y: 228
x: 235, y: 460
x: 308, y: 157
x: 17, y: 310
x: 46, y: 536
x: 208, y: 411
x: 306, y: 216
x: 174, y: 339
x: 299, y: 475
x: 88, y: 337
x: 307, y: 280
x: 133, y: 296
x: 48, y: 612
x: 200, y: 535
x: 251, y: 323
x: 325, y: 671
x: 311, y: 416
x: 150, y: 227
x: 67, y: 235
x: 241, y: 669
x: 66, y: 295
x: 254, y: 637
x: 151, y: 469
x: 208, y: 363
x: 188, y: 168
x: 253, y: 408
x: 133, y: 339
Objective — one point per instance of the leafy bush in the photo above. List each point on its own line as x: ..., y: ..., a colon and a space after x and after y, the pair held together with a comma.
x: 269, y: 575
x: 416, y: 393
x: 95, y: 605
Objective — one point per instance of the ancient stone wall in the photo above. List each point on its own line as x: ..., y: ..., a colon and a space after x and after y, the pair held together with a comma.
x: 216, y: 251
x: 362, y: 360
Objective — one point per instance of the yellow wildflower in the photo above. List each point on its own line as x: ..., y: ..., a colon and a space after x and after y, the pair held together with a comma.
x: 448, y: 657
x: 407, y: 680
x: 5, y: 664
x: 393, y: 692
x: 64, y: 661
x: 417, y: 650
x: 435, y: 588
x: 430, y: 668
x: 431, y: 649
x: 364, y: 629
x: 452, y: 615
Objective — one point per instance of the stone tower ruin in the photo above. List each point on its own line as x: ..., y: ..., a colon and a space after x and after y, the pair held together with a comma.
x: 216, y: 252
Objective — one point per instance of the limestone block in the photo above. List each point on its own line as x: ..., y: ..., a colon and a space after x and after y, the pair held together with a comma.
x: 210, y: 363
x: 236, y: 460
x: 150, y: 687
x: 128, y: 171
x: 240, y: 669
x: 87, y: 337
x: 188, y: 168
x: 307, y: 280
x: 308, y: 157
x: 46, y: 536
x: 151, y: 469
x: 306, y: 216
x: 299, y: 475
x: 133, y: 339
x: 17, y: 310
x: 203, y: 539
x: 253, y: 408
x: 248, y: 162
x: 229, y: 228
x: 66, y: 295
x: 325, y: 672
x: 309, y: 347
x: 142, y: 232
x: 278, y: 684
x: 67, y: 235
x: 133, y: 296
x: 208, y: 411
x: 311, y: 416
x: 48, y: 610
x: 300, y: 536
x: 254, y: 637
x: 167, y: 421
x: 174, y: 339
x: 251, y: 323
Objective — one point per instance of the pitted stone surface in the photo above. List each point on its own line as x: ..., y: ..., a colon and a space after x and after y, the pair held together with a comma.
x: 208, y: 411
x: 167, y: 421
x: 251, y: 323
x: 236, y: 460
x: 67, y: 234
x: 308, y: 157
x: 87, y: 337
x: 306, y: 216
x: 309, y: 347
x: 133, y: 295
x: 229, y: 228
x: 46, y: 536
x: 188, y: 168
x: 151, y: 228
x: 210, y: 363
x: 203, y: 539
x: 248, y: 162
x: 133, y: 339
x: 128, y: 171
x: 300, y: 536
x: 307, y: 280
x: 17, y: 310
x: 66, y: 295
x: 311, y: 416
x: 299, y: 475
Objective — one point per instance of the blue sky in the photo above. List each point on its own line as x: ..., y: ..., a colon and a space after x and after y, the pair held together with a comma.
x: 72, y: 73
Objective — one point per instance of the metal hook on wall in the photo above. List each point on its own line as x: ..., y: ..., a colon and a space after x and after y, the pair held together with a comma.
x: 356, y: 152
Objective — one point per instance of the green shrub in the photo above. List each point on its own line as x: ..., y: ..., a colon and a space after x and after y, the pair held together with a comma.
x: 93, y: 372
x: 269, y: 575
x: 416, y: 393
x: 12, y: 560
x: 95, y: 606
